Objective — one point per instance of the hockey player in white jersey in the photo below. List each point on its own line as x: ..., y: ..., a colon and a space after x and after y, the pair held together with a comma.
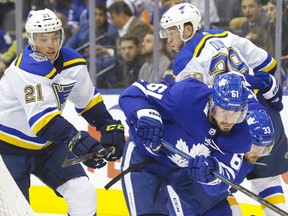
x: 34, y: 137
x: 202, y: 55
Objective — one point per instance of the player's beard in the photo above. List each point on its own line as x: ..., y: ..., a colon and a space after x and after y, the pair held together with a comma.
x: 215, y: 124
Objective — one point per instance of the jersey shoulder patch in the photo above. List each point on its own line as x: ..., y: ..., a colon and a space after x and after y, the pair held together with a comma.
x: 35, y: 63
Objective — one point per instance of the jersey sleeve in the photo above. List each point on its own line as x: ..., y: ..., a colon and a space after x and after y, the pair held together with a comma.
x: 258, y: 59
x: 86, y: 98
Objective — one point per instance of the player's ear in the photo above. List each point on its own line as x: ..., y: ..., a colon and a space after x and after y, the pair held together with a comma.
x: 188, y: 29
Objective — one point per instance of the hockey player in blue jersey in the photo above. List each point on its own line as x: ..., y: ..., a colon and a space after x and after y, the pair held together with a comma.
x: 202, y: 55
x: 262, y: 131
x: 208, y: 124
x: 34, y: 137
x: 263, y: 138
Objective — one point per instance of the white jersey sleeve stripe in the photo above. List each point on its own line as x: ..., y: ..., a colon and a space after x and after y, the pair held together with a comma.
x: 96, y: 99
x: 17, y: 141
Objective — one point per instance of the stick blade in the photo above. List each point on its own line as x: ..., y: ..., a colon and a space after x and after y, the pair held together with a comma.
x: 77, y: 160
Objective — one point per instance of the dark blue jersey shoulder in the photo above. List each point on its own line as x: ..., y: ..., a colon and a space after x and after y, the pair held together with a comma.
x: 182, y: 100
x: 38, y: 64
x: 194, y: 47
x: 188, y: 100
x: 71, y: 58
x: 199, y: 41
x: 35, y: 63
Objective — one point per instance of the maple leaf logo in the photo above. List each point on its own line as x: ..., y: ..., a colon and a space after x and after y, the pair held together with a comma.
x: 250, y: 121
x: 198, y: 149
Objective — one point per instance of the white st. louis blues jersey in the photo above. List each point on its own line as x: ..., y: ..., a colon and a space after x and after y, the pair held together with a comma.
x: 33, y: 92
x: 215, y: 51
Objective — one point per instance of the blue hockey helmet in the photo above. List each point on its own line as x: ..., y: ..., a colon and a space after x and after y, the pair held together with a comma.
x: 229, y: 97
x: 261, y: 129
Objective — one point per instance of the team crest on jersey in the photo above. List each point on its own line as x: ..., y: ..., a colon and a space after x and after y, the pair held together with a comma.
x: 197, y: 149
x: 38, y: 57
x: 62, y: 92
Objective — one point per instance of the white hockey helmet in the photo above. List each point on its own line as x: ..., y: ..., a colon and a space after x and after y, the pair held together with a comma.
x: 42, y: 21
x: 177, y: 16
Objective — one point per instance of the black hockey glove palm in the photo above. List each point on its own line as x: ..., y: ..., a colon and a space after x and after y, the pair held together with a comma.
x: 82, y: 143
x: 113, y: 139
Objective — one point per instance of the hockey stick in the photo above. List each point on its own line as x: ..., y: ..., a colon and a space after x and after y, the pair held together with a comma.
x: 231, y: 183
x: 73, y: 161
x: 76, y: 160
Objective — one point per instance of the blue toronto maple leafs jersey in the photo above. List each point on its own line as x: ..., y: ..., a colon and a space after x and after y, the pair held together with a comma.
x: 183, y: 109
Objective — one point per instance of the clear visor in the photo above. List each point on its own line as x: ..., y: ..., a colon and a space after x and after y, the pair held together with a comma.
x: 228, y: 116
x: 260, y: 151
x: 42, y: 39
x: 163, y: 33
x: 171, y: 32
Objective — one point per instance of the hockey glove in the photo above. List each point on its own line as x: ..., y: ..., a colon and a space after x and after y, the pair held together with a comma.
x: 113, y: 139
x: 149, y: 128
x: 271, y: 90
x: 82, y: 143
x: 200, y: 168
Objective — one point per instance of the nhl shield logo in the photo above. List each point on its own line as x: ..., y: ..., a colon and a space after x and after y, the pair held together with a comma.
x: 212, y: 131
x: 38, y: 57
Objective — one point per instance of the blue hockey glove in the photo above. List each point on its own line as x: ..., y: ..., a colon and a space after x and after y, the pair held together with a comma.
x: 113, y: 139
x: 82, y: 143
x: 200, y: 168
x: 150, y: 128
x: 271, y: 90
